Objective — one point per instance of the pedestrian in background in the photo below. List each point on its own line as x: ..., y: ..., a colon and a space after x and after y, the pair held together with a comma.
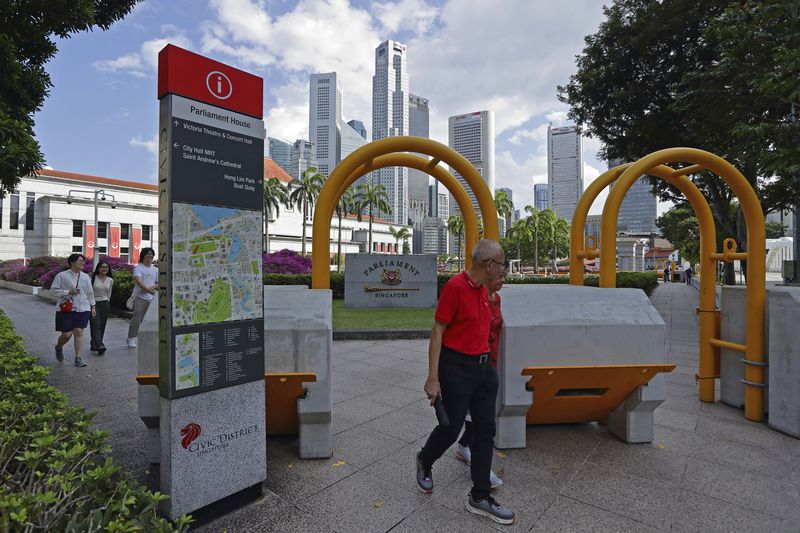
x: 145, y: 285
x: 75, y: 306
x: 102, y: 282
x: 688, y: 273
x: 666, y: 273
x: 463, y: 452
x: 460, y: 372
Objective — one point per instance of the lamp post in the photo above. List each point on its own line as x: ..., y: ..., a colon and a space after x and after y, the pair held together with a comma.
x: 99, y: 194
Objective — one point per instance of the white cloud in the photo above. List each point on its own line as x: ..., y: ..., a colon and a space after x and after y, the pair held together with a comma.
x: 413, y: 15
x: 151, y: 145
x: 520, y: 176
x: 289, y: 118
x: 144, y: 62
x: 538, y: 134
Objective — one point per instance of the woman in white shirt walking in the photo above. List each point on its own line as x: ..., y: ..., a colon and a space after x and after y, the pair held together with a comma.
x: 75, y: 287
x: 102, y: 282
x: 145, y: 285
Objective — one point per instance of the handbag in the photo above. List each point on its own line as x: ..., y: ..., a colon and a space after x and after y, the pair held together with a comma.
x: 66, y: 305
x: 131, y: 300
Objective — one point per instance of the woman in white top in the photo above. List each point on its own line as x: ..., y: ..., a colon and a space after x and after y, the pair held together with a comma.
x: 145, y: 285
x: 75, y: 287
x: 102, y: 282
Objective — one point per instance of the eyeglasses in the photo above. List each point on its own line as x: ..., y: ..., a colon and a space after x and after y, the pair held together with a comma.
x: 490, y: 260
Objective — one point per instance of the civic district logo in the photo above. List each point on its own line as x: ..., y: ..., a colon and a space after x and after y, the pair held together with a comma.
x: 207, y: 444
x: 391, y: 277
x: 189, y: 434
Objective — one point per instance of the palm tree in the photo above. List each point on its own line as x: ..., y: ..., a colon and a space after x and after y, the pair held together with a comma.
x: 371, y: 196
x: 399, y: 234
x: 532, y: 221
x: 560, y: 236
x: 275, y: 195
x: 504, y: 206
x: 455, y: 226
x: 346, y: 204
x: 304, y: 195
x: 518, y: 232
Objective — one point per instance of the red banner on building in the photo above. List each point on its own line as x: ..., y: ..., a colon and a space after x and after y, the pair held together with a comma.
x: 136, y: 244
x: 113, y: 240
x: 89, y: 241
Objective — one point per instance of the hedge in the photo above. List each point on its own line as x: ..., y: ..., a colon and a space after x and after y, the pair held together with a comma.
x: 54, y: 471
x: 647, y: 281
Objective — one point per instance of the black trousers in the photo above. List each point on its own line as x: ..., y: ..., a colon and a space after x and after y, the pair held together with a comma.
x: 466, y: 385
x: 97, y: 325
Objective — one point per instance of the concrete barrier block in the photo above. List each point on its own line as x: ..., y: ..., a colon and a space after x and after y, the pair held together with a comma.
x: 571, y: 326
x: 148, y: 395
x: 784, y: 360
x: 298, y: 337
x: 633, y: 420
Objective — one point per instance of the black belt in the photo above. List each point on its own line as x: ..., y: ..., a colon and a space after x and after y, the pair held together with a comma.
x: 479, y: 359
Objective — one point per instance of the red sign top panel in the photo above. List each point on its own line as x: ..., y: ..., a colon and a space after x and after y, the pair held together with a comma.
x: 197, y: 77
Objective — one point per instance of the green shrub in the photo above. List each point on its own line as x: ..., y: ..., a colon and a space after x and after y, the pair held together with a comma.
x: 55, y: 473
x: 121, y: 290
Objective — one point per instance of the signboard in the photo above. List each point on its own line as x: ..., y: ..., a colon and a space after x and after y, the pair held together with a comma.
x: 136, y: 244
x: 376, y: 280
x: 114, y: 232
x: 89, y: 241
x: 211, y: 168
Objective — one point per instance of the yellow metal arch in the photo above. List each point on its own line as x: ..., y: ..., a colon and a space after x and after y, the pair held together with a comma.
x: 756, y: 260
x: 440, y: 174
x: 357, y: 162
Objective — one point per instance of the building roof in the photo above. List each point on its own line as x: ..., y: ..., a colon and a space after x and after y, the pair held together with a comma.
x: 659, y: 252
x: 273, y: 170
x: 86, y: 178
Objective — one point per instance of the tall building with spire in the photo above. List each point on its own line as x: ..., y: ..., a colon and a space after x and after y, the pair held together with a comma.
x: 390, y: 119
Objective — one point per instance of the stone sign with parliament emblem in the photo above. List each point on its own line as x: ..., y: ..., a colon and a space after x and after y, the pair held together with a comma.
x: 372, y: 280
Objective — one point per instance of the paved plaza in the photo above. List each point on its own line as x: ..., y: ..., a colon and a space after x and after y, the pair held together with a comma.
x: 708, y: 469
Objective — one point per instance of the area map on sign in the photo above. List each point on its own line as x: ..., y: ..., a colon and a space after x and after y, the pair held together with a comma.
x: 187, y: 361
x: 216, y: 264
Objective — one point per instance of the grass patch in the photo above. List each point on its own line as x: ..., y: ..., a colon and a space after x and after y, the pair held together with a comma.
x: 381, y: 319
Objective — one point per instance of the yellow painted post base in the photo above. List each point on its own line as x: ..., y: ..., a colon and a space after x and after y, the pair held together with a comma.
x: 282, y: 392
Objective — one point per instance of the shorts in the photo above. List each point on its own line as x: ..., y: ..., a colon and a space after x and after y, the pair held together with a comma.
x: 66, y: 322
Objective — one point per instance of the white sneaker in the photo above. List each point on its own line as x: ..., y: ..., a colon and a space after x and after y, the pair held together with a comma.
x: 131, y: 343
x: 463, y: 453
x: 494, y: 480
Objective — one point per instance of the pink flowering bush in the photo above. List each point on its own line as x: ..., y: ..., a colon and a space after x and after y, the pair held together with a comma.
x: 40, y: 271
x: 286, y: 262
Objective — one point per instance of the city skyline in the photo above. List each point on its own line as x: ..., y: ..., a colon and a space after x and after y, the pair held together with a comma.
x: 109, y: 77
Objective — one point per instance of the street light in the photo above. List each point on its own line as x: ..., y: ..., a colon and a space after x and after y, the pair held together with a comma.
x: 99, y: 195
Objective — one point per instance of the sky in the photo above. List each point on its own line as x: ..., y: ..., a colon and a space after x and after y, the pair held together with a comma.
x: 509, y: 56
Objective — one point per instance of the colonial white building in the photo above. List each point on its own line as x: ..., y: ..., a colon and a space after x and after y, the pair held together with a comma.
x: 52, y: 213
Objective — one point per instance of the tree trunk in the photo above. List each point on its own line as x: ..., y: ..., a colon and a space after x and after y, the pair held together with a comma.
x: 796, y: 240
x: 305, y: 211
x: 460, y: 258
x: 339, y: 247
x: 536, y: 250
x: 369, y: 241
x: 266, y: 233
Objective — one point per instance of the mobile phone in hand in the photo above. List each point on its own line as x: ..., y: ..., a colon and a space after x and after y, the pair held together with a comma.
x: 441, y: 414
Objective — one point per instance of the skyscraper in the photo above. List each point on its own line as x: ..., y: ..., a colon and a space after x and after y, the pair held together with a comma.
x: 564, y: 169
x: 540, y: 194
x: 390, y: 119
x: 358, y: 126
x: 472, y: 135
x: 303, y: 157
x: 638, y: 211
x: 325, y: 119
x: 280, y: 152
x: 418, y: 126
x: 351, y: 141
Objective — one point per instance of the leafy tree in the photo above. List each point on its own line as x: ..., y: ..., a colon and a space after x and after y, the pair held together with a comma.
x: 400, y: 234
x: 679, y: 226
x: 275, y: 195
x: 533, y: 221
x: 305, y: 193
x: 406, y: 247
x: 504, y: 206
x: 775, y: 229
x: 27, y: 43
x: 455, y: 226
x: 346, y: 204
x: 371, y: 197
x: 518, y: 233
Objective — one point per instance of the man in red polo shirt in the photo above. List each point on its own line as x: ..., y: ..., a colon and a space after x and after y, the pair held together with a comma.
x: 461, y: 371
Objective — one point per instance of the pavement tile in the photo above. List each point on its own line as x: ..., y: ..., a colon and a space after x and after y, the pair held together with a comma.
x: 748, y: 432
x: 435, y: 517
x: 269, y: 513
x: 399, y: 469
x: 675, y: 419
x: 408, y: 425
x: 702, y: 514
x: 361, y: 446
x: 641, y: 460
x: 567, y: 515
x: 743, y: 488
x: 398, y: 396
x: 296, y: 479
x: 631, y: 496
x: 363, y: 502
